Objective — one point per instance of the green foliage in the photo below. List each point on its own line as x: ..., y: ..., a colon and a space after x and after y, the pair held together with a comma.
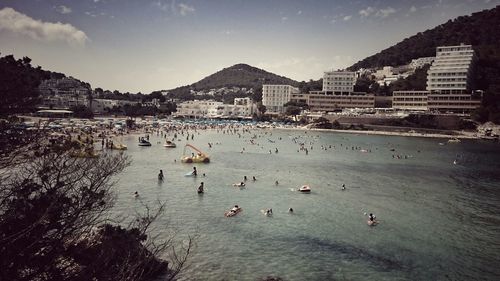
x: 312, y: 85
x: 292, y: 110
x: 139, y: 110
x: 479, y: 29
x: 18, y: 85
x: 416, y: 81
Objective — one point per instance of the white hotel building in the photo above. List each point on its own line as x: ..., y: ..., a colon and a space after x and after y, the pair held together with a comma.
x: 242, y: 108
x: 339, y: 82
x: 448, y: 84
x: 275, y: 96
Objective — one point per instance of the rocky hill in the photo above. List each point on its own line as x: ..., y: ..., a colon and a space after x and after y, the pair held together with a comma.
x: 239, y: 75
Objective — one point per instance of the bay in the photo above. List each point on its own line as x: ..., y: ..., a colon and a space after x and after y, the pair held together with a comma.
x: 438, y: 220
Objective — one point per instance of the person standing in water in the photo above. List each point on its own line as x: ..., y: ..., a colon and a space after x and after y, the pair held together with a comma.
x: 200, y: 188
x: 160, y: 176
x: 195, y: 173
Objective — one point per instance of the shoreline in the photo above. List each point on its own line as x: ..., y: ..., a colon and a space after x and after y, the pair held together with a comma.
x: 458, y: 135
x: 412, y: 133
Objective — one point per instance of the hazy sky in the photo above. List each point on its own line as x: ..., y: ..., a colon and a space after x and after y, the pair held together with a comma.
x: 141, y: 45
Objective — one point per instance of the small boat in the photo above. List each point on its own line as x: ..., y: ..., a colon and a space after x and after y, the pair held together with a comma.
x: 144, y: 142
x: 305, y: 189
x: 233, y: 212
x: 454, y: 140
x: 169, y: 144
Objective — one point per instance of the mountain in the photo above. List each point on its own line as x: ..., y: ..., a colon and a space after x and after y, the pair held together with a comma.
x: 239, y: 75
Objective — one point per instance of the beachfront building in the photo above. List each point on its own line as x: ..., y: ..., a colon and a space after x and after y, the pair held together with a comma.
x: 449, y: 87
x: 449, y: 80
x: 410, y: 100
x: 198, y: 108
x: 339, y: 82
x: 63, y: 102
x: 275, y: 96
x: 337, y: 94
x: 242, y: 108
x: 103, y: 106
x: 329, y: 102
x: 450, y: 71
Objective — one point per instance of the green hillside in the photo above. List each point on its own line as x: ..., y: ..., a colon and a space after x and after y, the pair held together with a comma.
x: 239, y: 75
x: 481, y: 29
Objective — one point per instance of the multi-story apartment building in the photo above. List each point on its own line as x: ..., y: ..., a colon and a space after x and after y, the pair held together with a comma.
x: 449, y: 87
x: 449, y: 80
x: 410, y: 100
x: 326, y: 101
x: 242, y: 108
x: 339, y: 82
x: 64, y: 93
x: 337, y: 94
x: 275, y: 96
x: 450, y: 71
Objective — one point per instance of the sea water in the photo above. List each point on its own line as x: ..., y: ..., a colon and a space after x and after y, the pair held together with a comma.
x: 438, y: 220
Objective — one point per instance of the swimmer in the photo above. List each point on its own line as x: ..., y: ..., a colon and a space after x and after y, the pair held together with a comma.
x: 136, y: 194
x: 276, y: 183
x: 290, y: 210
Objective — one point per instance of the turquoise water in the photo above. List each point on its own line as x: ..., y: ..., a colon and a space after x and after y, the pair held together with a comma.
x: 438, y: 221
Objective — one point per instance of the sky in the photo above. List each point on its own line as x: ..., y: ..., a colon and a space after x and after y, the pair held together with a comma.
x: 143, y: 46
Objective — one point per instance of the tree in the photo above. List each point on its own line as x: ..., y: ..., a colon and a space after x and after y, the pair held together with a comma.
x: 292, y: 110
x: 18, y: 85
x: 52, y: 216
x: 81, y: 111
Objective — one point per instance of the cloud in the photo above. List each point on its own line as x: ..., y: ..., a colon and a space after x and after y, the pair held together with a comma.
x: 176, y: 9
x: 366, y: 12
x: 185, y: 9
x: 13, y: 21
x: 413, y: 9
x: 283, y: 19
x: 63, y: 9
x: 383, y: 13
x: 346, y: 18
x: 90, y: 14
